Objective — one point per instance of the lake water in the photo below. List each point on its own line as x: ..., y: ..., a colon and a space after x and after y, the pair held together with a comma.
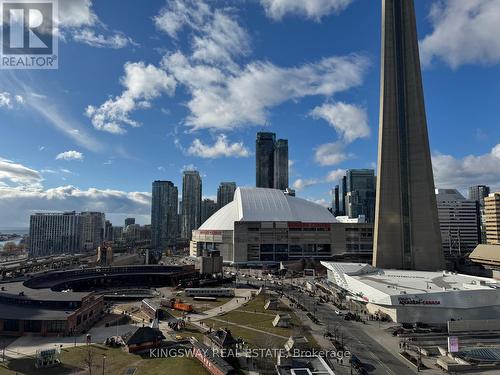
x: 20, y: 231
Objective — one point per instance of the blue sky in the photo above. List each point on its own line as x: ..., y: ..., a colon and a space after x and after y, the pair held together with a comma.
x: 143, y: 92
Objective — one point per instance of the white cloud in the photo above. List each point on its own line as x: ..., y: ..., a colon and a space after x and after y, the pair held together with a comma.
x: 188, y: 167
x: 21, y: 194
x: 76, y: 13
x: 15, y: 173
x: 335, y: 175
x: 227, y: 100
x: 78, y: 20
x: 180, y: 13
x: 142, y: 84
x: 331, y: 154
x: 70, y: 155
x: 301, y: 183
x: 332, y: 176
x: 7, y: 100
x: 221, y: 148
x: 464, y: 32
x: 226, y: 94
x: 68, y: 198
x: 115, y: 41
x: 50, y: 110
x: 321, y: 201
x: 222, y: 40
x: 451, y: 172
x: 216, y: 36
x: 350, y: 121
x: 315, y: 9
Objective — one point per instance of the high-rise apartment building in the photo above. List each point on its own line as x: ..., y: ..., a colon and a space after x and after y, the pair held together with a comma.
x: 360, y: 194
x: 492, y: 218
x: 92, y: 230
x: 68, y: 232
x: 191, y: 202
x: 164, y: 203
x: 208, y: 208
x: 129, y: 221
x: 54, y: 233
x: 458, y: 221
x: 281, y: 164
x: 407, y: 234
x: 225, y: 193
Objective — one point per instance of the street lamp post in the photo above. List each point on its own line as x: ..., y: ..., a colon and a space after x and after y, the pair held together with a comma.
x: 103, y: 363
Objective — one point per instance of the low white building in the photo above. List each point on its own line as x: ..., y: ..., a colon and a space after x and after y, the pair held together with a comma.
x: 417, y: 296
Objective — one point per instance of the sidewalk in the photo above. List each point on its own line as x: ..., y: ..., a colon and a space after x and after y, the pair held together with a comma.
x: 233, y: 304
x: 28, y: 345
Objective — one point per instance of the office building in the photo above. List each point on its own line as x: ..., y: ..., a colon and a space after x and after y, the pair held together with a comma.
x: 492, y: 218
x: 281, y: 164
x: 164, y: 203
x: 360, y: 193
x: 478, y: 193
x: 91, y: 230
x: 225, y: 193
x: 191, y: 202
x: 458, y: 221
x: 129, y: 221
x: 342, y: 194
x: 335, y: 201
x: 208, y: 208
x: 268, y: 226
x: 407, y: 234
x: 54, y: 233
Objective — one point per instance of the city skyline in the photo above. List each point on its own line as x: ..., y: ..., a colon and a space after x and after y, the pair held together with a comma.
x: 56, y: 155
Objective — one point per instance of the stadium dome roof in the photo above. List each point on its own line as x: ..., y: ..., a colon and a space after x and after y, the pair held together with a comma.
x: 260, y: 204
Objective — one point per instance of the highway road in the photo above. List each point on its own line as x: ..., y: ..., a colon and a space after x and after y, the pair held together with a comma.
x: 377, y: 360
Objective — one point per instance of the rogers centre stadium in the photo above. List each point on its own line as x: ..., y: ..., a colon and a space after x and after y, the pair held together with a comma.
x: 417, y: 296
x: 262, y: 226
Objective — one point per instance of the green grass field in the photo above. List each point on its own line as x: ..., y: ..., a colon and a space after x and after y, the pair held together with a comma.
x: 116, y: 362
x: 245, y: 315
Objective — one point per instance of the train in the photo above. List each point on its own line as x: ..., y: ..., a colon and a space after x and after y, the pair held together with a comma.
x: 176, y: 304
x: 209, y: 292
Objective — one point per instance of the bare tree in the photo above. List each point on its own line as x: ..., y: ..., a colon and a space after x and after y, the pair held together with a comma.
x: 88, y: 359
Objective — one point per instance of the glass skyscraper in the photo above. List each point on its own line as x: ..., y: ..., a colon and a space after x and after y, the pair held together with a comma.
x: 271, y: 161
x: 264, y: 159
x: 281, y: 164
x: 191, y: 202
x: 164, y: 215
x: 360, y: 193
